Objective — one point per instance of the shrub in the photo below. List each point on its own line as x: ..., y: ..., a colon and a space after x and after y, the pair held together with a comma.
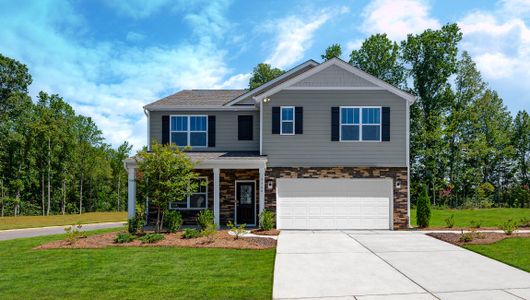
x: 475, y: 224
x: 450, y: 222
x: 423, y: 213
x: 205, y: 219
x: 136, y: 224
x: 172, y: 220
x: 237, y: 229
x: 124, y: 237
x: 466, y: 237
x: 73, y: 233
x: 151, y: 238
x: 524, y: 222
x: 266, y: 220
x: 508, y: 227
x: 191, y: 233
x: 208, y: 232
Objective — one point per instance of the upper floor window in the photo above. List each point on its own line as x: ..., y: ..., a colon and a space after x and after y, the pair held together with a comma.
x: 287, y: 120
x: 360, y: 123
x: 189, y: 130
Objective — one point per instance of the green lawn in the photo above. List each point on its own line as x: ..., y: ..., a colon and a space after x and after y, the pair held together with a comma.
x: 58, y: 220
x: 489, y: 217
x: 132, y: 272
x: 512, y: 251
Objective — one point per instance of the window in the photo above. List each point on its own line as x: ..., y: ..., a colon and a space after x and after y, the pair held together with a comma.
x: 244, y: 128
x: 287, y: 120
x: 360, y: 124
x: 197, y: 200
x: 189, y: 131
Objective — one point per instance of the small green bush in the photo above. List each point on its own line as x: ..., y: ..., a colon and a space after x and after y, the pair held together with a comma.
x: 450, y: 222
x: 466, y: 237
x: 73, y: 233
x: 423, y: 213
x: 209, y: 232
x: 172, y: 220
x: 151, y: 238
x: 135, y: 224
x: 191, y: 233
x: 475, y: 224
x: 524, y: 222
x: 266, y: 220
x: 237, y: 229
x: 508, y: 227
x: 205, y: 219
x: 124, y: 237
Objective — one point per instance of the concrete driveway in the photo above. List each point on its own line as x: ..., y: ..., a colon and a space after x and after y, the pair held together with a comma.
x: 388, y: 265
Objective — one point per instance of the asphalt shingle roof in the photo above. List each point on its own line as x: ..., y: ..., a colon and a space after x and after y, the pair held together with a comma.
x: 198, y: 98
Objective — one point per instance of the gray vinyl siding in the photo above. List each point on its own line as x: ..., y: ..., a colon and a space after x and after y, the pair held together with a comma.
x: 225, y: 129
x: 334, y: 76
x: 314, y: 147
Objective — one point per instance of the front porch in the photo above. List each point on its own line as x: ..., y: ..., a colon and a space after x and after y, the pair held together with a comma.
x: 234, y: 192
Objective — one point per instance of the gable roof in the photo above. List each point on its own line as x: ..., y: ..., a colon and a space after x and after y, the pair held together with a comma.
x: 193, y: 98
x: 377, y: 83
x: 301, y: 68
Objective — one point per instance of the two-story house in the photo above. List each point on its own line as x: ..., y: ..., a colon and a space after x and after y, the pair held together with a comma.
x: 325, y: 146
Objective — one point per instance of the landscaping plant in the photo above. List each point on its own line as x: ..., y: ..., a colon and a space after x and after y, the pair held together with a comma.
x: 191, y: 233
x: 124, y: 237
x: 172, y: 220
x: 151, y: 238
x: 205, y: 219
x: 165, y: 174
x: 266, y: 220
x: 423, y: 207
x: 475, y: 224
x: 450, y: 222
x: 508, y: 227
x: 209, y: 232
x: 466, y: 237
x: 73, y: 233
x: 524, y: 222
x: 237, y: 229
x: 135, y: 224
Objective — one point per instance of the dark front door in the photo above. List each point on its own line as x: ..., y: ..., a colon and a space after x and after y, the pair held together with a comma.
x: 245, y: 203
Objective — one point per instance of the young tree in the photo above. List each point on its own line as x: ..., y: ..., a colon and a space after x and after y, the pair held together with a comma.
x: 521, y: 143
x: 166, y: 175
x: 380, y: 57
x: 332, y: 51
x: 423, y: 208
x: 263, y: 73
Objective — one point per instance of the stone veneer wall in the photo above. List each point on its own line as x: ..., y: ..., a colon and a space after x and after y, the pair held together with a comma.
x: 227, y: 181
x: 400, y: 195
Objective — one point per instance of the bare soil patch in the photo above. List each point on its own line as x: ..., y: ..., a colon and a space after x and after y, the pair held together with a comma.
x: 478, y: 237
x: 265, y: 232
x: 220, y: 239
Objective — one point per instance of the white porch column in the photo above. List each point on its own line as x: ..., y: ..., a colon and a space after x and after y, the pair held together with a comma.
x: 261, y: 189
x: 216, y: 200
x: 131, y: 192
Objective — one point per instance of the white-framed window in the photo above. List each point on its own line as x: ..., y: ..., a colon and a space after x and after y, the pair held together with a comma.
x: 189, y: 130
x: 287, y: 120
x: 360, y: 123
x: 197, y: 200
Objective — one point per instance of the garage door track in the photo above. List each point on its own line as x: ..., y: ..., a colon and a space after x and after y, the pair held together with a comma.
x: 388, y: 265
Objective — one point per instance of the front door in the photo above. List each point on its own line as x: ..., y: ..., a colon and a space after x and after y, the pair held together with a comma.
x: 245, y: 203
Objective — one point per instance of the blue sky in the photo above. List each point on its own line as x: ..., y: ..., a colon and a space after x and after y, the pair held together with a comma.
x: 108, y: 58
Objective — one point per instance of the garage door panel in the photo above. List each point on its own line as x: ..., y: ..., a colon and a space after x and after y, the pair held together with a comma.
x: 333, y: 203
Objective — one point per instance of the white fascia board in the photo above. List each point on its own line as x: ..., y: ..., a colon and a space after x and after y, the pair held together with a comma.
x: 337, y: 62
x: 232, y: 164
x: 200, y: 108
x: 264, y: 86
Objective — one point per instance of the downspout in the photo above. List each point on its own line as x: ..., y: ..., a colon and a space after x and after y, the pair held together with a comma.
x: 146, y: 112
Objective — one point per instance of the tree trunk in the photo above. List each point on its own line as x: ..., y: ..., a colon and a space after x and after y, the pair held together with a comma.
x: 42, y: 195
x: 17, y: 202
x: 3, y: 195
x: 49, y: 170
x: 63, y: 203
x: 158, y: 220
x: 81, y: 194
x: 119, y: 182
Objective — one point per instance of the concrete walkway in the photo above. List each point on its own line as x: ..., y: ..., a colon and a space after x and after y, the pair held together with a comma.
x: 388, y: 265
x: 31, y: 232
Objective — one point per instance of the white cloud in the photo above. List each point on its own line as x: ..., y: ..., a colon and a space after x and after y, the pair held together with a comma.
x: 137, y: 9
x: 107, y: 81
x: 295, y: 36
x: 397, y: 18
x: 353, y: 45
x: 134, y: 36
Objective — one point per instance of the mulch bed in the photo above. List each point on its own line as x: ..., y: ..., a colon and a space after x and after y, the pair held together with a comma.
x: 478, y: 237
x: 265, y: 232
x: 220, y: 239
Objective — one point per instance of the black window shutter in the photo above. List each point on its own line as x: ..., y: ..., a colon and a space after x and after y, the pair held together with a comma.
x: 276, y: 120
x: 385, y: 122
x: 335, y: 123
x: 244, y: 128
x: 165, y: 130
x: 211, y: 131
x: 299, y: 120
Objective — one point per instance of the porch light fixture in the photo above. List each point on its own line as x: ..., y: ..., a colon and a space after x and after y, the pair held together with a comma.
x: 398, y: 184
x: 265, y: 100
x: 269, y: 184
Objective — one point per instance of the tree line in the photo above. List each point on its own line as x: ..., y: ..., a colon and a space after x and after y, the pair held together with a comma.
x: 466, y: 148
x: 52, y: 160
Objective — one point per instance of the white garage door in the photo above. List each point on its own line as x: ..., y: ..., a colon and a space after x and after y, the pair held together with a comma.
x: 334, y: 203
